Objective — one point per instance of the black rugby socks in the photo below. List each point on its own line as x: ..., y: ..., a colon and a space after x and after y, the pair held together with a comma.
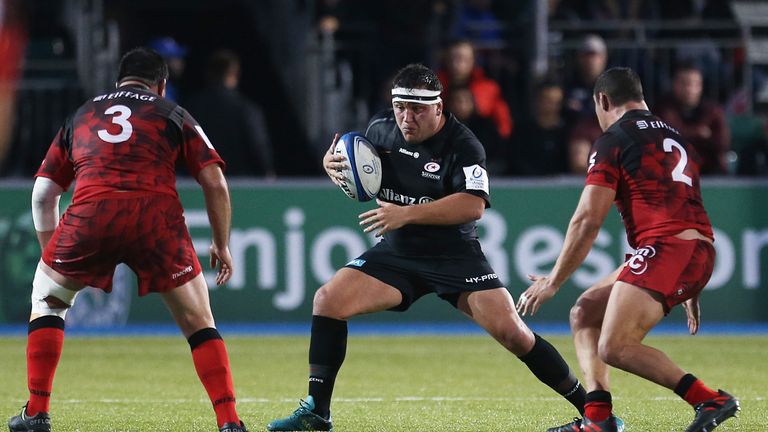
x: 548, y: 366
x: 327, y: 349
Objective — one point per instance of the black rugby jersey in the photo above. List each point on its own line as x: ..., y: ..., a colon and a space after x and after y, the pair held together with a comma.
x: 451, y: 161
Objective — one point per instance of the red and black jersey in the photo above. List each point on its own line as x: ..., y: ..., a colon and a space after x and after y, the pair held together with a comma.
x: 655, y: 173
x: 127, y: 140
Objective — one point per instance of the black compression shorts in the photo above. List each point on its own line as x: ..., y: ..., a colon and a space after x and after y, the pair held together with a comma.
x: 415, y: 276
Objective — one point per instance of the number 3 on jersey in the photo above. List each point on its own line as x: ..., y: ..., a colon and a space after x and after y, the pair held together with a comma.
x: 121, y: 119
x: 677, y: 172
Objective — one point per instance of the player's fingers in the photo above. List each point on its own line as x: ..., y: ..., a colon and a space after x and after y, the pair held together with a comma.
x: 367, y: 214
x: 214, y: 260
x: 534, y: 306
x: 224, y: 275
x: 333, y: 144
x: 373, y: 226
x: 368, y: 221
x: 521, y: 302
x: 524, y: 304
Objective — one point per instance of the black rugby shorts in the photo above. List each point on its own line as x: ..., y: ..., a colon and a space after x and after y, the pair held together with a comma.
x: 415, y: 276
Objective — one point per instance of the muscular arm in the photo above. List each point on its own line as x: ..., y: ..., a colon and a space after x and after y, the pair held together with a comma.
x: 583, y: 229
x: 217, y: 203
x: 590, y: 213
x: 454, y: 209
x: 216, y: 192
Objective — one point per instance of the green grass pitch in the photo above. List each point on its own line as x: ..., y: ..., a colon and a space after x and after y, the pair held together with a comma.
x: 397, y: 383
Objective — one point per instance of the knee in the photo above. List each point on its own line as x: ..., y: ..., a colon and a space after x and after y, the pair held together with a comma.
x: 518, y: 340
x: 326, y: 304
x: 191, y: 322
x: 583, y: 316
x: 611, y: 351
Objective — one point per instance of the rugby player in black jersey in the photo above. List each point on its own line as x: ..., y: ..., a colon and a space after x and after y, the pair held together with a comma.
x: 434, y: 188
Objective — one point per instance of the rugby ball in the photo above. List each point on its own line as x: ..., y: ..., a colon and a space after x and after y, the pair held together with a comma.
x: 362, y: 176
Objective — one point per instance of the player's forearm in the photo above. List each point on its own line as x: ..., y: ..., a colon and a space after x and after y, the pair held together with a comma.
x: 45, y: 208
x: 43, y: 237
x: 219, y: 208
x: 217, y: 203
x: 453, y: 209
x: 578, y: 241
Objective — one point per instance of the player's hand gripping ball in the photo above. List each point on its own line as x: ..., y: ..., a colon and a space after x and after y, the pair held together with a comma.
x: 362, y: 177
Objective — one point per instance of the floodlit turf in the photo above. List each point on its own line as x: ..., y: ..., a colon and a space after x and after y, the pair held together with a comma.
x: 419, y: 383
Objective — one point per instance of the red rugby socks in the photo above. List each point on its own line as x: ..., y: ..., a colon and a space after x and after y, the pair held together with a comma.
x: 44, y: 344
x: 599, y: 405
x: 212, y: 365
x: 693, y: 390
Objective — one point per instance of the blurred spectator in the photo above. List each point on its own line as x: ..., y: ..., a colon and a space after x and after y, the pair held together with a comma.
x: 339, y: 17
x: 14, y: 37
x: 174, y: 55
x: 461, y: 104
x: 478, y: 23
x: 461, y: 70
x: 584, y: 133
x: 591, y: 59
x: 561, y: 10
x: 540, y: 144
x: 700, y: 121
x: 235, y: 125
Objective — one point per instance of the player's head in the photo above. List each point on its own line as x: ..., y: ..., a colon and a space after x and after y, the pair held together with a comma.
x: 617, y: 90
x: 143, y: 66
x: 417, y: 103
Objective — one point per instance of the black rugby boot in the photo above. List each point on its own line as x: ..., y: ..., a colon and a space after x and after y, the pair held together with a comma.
x: 40, y: 422
x: 710, y: 413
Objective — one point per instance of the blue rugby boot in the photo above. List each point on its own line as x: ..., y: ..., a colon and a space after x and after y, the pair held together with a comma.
x: 303, y: 419
x: 611, y: 424
x: 574, y: 426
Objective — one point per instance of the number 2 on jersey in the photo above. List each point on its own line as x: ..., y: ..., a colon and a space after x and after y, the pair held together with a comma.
x: 677, y: 172
x: 121, y: 119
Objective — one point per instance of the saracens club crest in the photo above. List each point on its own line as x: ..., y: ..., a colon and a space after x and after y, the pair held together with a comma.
x: 638, y: 264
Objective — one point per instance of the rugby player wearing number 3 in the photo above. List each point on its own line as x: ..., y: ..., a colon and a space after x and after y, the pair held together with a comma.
x: 652, y: 173
x: 121, y: 149
x: 434, y: 188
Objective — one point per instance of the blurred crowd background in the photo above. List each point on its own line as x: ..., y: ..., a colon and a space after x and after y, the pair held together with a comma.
x: 271, y: 80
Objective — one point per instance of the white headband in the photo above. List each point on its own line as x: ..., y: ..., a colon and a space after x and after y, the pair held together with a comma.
x: 420, y: 96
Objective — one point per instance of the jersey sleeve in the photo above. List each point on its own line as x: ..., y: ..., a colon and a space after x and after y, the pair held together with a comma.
x: 604, y: 161
x: 57, y: 164
x: 469, y: 174
x: 197, y: 150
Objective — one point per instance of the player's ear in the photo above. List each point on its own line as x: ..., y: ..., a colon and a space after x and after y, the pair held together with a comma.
x: 439, y: 109
x: 605, y: 103
x: 161, y: 86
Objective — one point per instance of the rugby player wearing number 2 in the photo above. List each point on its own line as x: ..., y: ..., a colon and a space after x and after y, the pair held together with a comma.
x: 652, y: 173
